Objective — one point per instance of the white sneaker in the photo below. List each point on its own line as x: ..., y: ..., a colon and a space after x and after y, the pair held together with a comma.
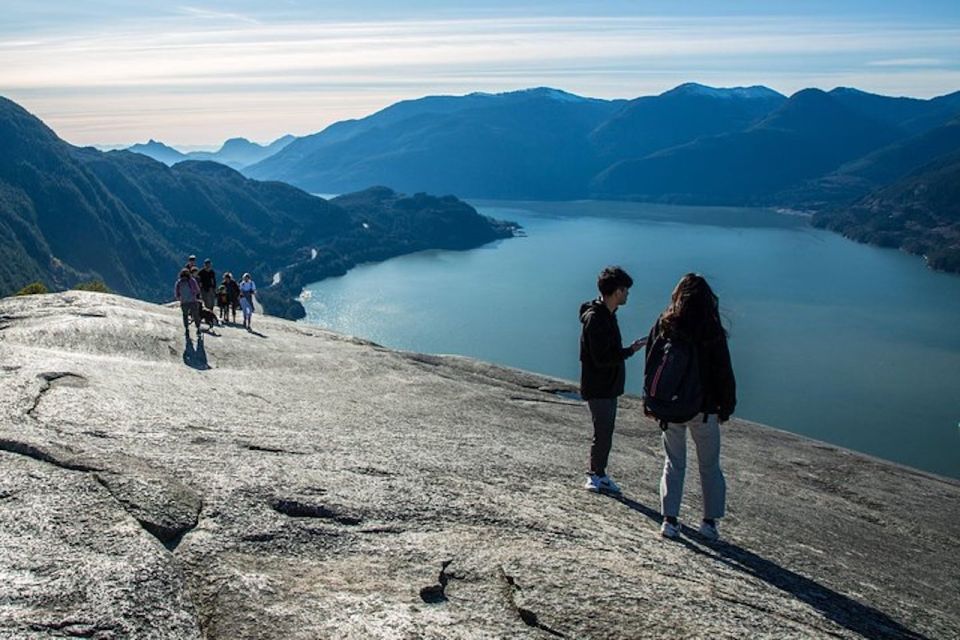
x: 607, y: 485
x: 710, y: 532
x: 669, y: 530
x: 593, y: 483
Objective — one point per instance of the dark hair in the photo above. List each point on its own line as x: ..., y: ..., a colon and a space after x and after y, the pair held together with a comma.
x: 185, y: 273
x: 611, y: 279
x: 694, y: 309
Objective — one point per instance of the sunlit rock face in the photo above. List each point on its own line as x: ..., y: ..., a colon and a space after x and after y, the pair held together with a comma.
x: 293, y: 483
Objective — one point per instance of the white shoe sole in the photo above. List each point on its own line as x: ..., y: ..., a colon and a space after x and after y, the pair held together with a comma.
x: 601, y: 490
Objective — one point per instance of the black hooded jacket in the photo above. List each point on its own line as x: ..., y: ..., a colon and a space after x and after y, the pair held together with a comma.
x: 208, y: 279
x: 602, y: 354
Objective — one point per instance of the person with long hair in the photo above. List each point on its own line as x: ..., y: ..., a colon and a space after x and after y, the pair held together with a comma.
x: 694, y: 315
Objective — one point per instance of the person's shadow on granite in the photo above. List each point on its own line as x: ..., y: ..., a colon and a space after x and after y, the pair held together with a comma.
x: 843, y: 610
x: 195, y: 357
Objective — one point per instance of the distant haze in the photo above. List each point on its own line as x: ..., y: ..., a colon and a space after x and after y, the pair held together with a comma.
x: 110, y: 72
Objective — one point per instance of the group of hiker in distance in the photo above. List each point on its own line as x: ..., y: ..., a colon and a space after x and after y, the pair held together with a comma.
x: 688, y: 383
x: 197, y: 292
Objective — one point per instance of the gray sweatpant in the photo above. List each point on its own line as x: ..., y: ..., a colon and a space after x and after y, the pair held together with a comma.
x: 706, y: 437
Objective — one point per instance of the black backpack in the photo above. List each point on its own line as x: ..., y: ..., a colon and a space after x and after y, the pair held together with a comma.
x: 672, y: 391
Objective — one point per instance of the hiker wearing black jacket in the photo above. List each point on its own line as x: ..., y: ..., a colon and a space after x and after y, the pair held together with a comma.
x: 694, y: 315
x: 233, y: 294
x: 602, y: 369
x: 208, y: 284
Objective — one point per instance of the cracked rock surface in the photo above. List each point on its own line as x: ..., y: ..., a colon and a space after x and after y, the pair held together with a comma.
x: 295, y: 483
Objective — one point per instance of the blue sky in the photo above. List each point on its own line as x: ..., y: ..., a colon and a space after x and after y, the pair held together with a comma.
x: 196, y: 73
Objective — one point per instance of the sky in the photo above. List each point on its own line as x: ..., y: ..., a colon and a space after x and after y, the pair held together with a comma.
x: 192, y: 74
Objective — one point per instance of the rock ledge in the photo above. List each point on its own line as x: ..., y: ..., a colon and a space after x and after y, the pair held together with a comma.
x: 294, y: 483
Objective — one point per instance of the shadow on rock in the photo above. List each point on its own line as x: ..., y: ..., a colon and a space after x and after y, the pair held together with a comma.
x: 842, y: 610
x: 653, y: 514
x: 195, y: 357
x: 256, y: 333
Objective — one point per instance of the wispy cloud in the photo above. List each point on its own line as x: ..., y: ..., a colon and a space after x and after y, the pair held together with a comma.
x: 209, y: 14
x: 909, y: 62
x: 269, y: 52
x: 303, y: 74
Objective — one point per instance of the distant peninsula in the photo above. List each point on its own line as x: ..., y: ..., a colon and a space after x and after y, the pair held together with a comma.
x: 919, y: 213
x: 71, y: 214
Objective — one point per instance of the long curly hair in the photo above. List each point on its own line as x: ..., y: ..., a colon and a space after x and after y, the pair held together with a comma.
x: 694, y: 309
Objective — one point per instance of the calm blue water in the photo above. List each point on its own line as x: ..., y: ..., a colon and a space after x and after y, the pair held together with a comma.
x: 843, y: 342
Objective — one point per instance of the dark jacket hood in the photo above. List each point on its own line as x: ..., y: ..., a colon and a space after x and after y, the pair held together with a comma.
x: 590, y: 307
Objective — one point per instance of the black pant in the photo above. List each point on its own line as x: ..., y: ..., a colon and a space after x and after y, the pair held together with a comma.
x: 190, y: 311
x: 604, y: 414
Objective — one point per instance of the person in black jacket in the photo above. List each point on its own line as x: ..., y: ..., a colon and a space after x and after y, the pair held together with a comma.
x: 233, y: 295
x: 208, y: 284
x: 694, y: 313
x: 602, y: 369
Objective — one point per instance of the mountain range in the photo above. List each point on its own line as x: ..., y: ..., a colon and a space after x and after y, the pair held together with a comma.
x: 876, y: 168
x: 236, y: 153
x: 531, y: 143
x: 814, y: 150
x: 744, y: 145
x: 69, y: 214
